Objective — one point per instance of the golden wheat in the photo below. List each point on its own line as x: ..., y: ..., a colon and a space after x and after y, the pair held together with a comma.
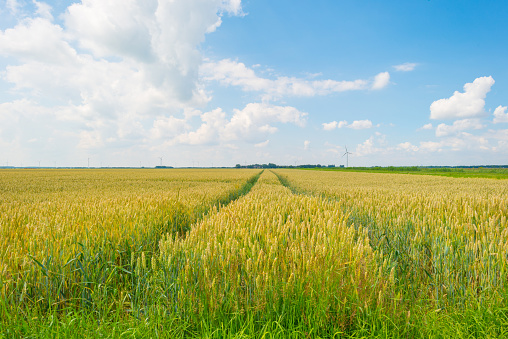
x: 47, y: 213
x: 272, y: 245
x: 447, y: 236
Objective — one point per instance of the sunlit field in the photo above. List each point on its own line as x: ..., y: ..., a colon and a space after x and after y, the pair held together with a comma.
x: 229, y: 253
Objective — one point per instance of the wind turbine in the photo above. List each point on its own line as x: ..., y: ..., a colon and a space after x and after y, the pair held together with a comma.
x: 161, y: 160
x: 347, y: 156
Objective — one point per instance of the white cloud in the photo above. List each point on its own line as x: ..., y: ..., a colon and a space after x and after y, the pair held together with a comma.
x: 90, y: 139
x: 161, y: 38
x: 463, y: 105
x: 306, y: 144
x: 500, y: 114
x: 458, y: 126
x: 407, y: 146
x: 329, y: 126
x: 381, y: 80
x: 251, y: 123
x: 357, y: 124
x: 341, y: 124
x: 234, y: 7
x: 366, y: 148
x: 460, y: 142
x: 427, y: 127
x: 37, y: 42
x: 262, y: 144
x: 256, y: 118
x: 360, y: 124
x: 234, y: 73
x: 137, y: 62
x: 405, y: 67
x: 13, y: 6
x: 466, y: 141
x: 501, y: 136
x: 43, y: 10
x: 475, y: 142
x: 430, y: 146
x: 168, y: 127
x: 210, y: 130
x: 376, y: 144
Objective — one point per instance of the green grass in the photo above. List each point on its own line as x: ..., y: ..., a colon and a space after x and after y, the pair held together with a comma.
x: 484, y: 322
x: 456, y: 172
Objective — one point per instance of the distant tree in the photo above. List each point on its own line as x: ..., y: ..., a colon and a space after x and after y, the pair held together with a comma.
x: 238, y: 166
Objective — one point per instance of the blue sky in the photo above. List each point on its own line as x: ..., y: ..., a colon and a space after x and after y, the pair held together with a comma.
x: 220, y: 82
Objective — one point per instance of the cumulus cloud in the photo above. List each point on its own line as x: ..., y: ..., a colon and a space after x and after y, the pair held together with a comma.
x: 341, y: 124
x: 210, y: 130
x: 430, y: 146
x: 13, y: 5
x: 360, y: 124
x: 375, y: 144
x: 253, y: 122
x: 306, y: 144
x: 381, y: 81
x: 458, y: 126
x: 168, y: 127
x: 233, y: 73
x: 160, y: 37
x: 36, y: 41
x: 466, y: 141
x: 43, y: 10
x: 501, y: 136
x: 366, y: 148
x: 407, y: 146
x: 357, y: 124
x: 405, y: 67
x: 256, y: 118
x: 500, y: 114
x: 427, y: 127
x: 234, y: 7
x: 463, y: 105
x: 111, y: 67
x: 262, y: 144
x: 329, y: 126
x: 460, y: 142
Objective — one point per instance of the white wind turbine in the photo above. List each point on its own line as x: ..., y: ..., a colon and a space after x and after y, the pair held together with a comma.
x: 347, y: 156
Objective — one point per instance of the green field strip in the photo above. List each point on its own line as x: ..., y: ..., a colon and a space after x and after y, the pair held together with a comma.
x: 487, y: 173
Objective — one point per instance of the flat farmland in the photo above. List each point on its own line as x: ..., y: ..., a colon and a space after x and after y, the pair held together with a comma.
x: 244, y: 253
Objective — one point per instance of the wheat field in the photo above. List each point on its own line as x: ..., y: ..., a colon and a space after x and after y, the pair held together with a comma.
x: 240, y: 253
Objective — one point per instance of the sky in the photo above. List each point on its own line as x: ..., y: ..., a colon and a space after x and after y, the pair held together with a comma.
x: 226, y: 82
